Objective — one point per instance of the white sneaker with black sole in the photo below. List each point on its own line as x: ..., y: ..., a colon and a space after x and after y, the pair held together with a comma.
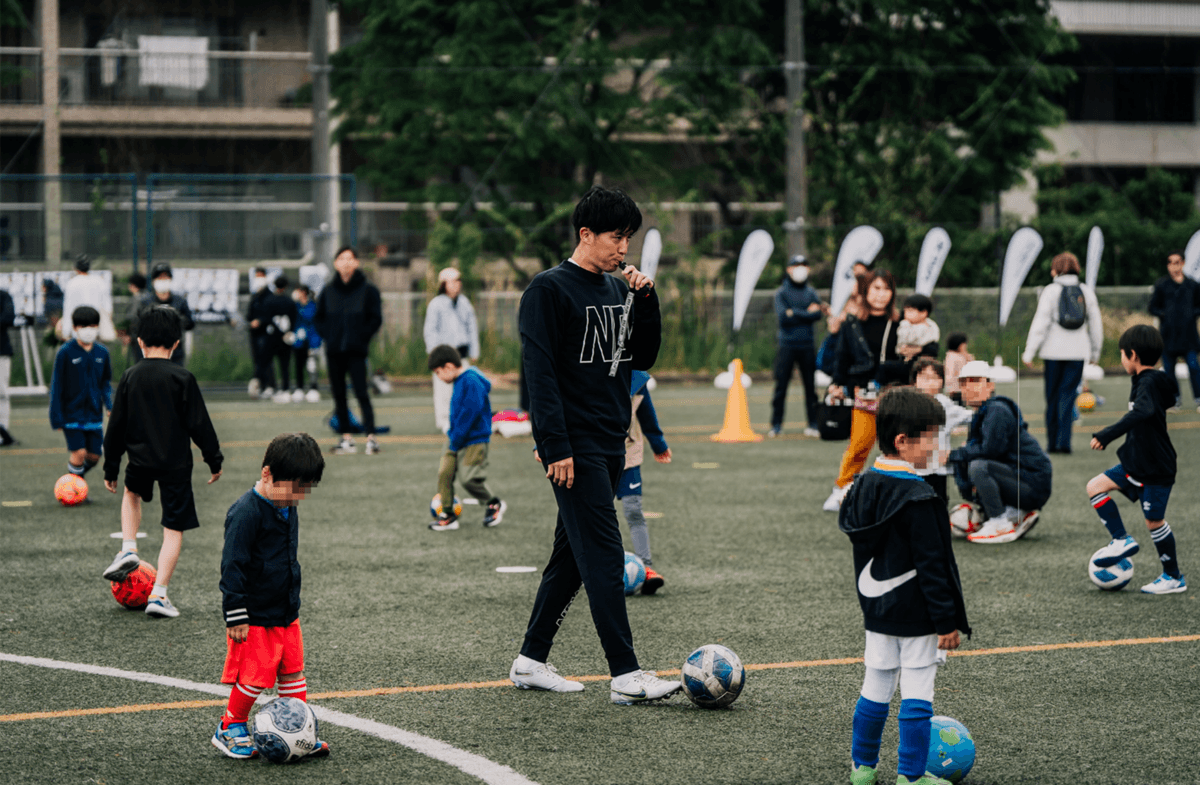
x: 641, y: 687
x: 161, y: 608
x: 125, y: 563
x: 533, y: 675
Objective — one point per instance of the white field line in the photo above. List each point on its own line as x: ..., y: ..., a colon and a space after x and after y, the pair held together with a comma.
x: 466, y: 762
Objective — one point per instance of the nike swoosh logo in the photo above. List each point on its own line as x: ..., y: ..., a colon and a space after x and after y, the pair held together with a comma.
x: 638, y: 694
x: 869, y: 587
x: 635, y: 485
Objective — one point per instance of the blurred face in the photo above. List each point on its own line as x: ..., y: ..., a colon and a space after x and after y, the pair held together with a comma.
x: 928, y: 381
x: 917, y: 450
x: 282, y: 493
x: 446, y: 373
x: 914, y: 316
x: 1129, y: 361
x: 1175, y: 267
x: 976, y: 390
x: 602, y: 253
x: 879, y: 296
x: 345, y: 264
x: 454, y: 288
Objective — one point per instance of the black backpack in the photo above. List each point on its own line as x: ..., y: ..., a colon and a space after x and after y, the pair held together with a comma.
x: 1072, y: 310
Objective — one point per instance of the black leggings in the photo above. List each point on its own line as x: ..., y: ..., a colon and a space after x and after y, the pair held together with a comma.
x: 356, y: 365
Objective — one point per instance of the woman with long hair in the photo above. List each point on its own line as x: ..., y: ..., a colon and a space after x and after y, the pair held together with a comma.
x: 866, y: 360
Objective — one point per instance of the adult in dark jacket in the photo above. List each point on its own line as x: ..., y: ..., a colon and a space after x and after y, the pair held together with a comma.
x: 8, y: 317
x: 260, y: 290
x: 1001, y: 466
x: 797, y: 307
x: 1176, y: 303
x: 279, y: 316
x: 161, y: 279
x: 349, y: 313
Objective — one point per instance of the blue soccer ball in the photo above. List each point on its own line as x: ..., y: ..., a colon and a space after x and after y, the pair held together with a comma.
x: 1113, y: 578
x: 285, y: 730
x: 951, y: 749
x: 635, y: 573
x: 713, y: 676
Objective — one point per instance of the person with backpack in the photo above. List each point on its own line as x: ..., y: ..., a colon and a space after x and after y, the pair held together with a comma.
x: 1066, y: 332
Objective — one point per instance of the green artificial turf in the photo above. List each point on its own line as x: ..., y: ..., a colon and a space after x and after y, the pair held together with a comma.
x: 750, y: 562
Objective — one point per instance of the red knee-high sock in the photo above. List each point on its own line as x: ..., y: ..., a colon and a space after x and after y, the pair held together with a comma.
x: 294, y: 689
x: 241, y: 700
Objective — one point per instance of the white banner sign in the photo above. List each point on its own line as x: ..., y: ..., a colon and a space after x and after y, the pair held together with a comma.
x: 1191, y: 258
x: 934, y: 250
x: 1023, y: 250
x: 751, y: 262
x: 26, y: 289
x: 651, y: 251
x: 314, y: 277
x: 1094, y: 252
x: 862, y: 244
x: 211, y: 294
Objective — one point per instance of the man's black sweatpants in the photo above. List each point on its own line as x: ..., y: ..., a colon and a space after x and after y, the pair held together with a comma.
x: 588, y: 551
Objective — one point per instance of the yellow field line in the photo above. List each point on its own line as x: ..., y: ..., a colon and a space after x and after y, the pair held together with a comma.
x: 479, y: 685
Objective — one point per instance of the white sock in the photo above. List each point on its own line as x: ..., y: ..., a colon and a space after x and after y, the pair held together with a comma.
x: 159, y: 590
x: 129, y: 545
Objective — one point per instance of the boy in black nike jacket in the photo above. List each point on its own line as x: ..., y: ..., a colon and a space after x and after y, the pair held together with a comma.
x: 908, y: 585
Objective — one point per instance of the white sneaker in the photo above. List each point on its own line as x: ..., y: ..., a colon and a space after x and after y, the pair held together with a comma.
x: 267, y: 394
x: 161, y: 607
x: 312, y: 396
x: 813, y: 432
x: 1165, y: 584
x: 1027, y: 520
x: 834, y: 502
x: 1115, y: 551
x: 253, y: 389
x: 533, y: 675
x: 125, y: 563
x: 282, y: 397
x: 994, y: 532
x: 372, y: 447
x: 1012, y: 513
x: 641, y: 687
x: 345, y: 447
x: 297, y: 396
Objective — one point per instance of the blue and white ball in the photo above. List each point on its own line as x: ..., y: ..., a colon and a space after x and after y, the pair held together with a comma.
x: 951, y: 749
x: 285, y: 730
x: 713, y: 676
x: 1112, y: 578
x: 635, y: 573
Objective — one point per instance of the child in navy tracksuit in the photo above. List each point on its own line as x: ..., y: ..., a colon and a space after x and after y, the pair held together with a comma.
x: 260, y: 588
x: 1146, y: 472
x: 629, y: 487
x: 908, y: 585
x: 470, y: 434
x: 81, y: 391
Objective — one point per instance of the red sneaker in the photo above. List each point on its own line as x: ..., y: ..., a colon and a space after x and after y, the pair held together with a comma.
x: 653, y: 583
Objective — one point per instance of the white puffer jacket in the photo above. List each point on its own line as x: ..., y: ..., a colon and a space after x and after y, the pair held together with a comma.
x: 1054, y: 342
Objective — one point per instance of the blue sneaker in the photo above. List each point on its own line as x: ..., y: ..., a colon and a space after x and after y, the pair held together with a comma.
x: 1165, y: 584
x: 235, y: 741
x: 1115, y: 551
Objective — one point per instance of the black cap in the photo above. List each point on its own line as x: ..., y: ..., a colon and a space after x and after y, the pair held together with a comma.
x: 159, y: 268
x: 797, y: 259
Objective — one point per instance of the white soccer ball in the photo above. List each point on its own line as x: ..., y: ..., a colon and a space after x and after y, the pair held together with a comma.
x: 713, y: 676
x: 965, y: 519
x: 635, y: 573
x: 1112, y: 578
x: 285, y: 730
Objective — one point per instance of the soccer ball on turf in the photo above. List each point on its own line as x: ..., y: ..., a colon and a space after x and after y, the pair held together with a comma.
x: 1085, y: 402
x: 1112, y: 578
x: 134, y: 591
x: 71, y: 489
x: 285, y: 730
x: 965, y: 519
x: 951, y: 749
x: 435, y: 506
x: 635, y: 573
x: 713, y: 676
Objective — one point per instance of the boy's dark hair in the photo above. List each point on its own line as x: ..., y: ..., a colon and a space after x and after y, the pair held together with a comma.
x: 1175, y: 253
x: 138, y: 280
x: 349, y: 248
x: 1144, y: 341
x: 906, y: 411
x: 606, y: 210
x: 294, y: 456
x: 159, y: 326
x: 305, y: 289
x: 85, y: 316
x: 442, y: 354
x: 927, y: 362
x: 954, y: 341
x: 282, y: 282
x: 919, y: 301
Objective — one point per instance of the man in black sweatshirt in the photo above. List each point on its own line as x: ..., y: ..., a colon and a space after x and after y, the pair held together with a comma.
x: 583, y: 332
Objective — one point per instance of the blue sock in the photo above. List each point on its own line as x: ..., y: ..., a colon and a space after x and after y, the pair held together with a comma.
x: 915, y: 726
x: 869, y: 718
x: 1164, y: 541
x: 1106, y: 508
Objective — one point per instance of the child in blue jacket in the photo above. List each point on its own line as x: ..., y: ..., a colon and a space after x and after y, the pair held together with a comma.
x: 470, y: 433
x: 81, y: 391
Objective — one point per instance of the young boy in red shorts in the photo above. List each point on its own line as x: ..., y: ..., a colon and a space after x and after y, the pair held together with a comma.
x: 260, y: 584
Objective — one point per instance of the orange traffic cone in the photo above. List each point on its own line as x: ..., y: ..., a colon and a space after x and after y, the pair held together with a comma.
x: 737, y: 413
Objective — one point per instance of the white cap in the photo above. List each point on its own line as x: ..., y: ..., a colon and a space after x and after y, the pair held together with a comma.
x: 976, y: 369
x: 448, y: 274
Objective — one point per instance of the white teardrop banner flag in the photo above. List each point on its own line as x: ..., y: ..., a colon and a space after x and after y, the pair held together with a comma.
x: 751, y: 261
x: 934, y: 250
x: 1094, y: 252
x: 651, y: 251
x: 862, y: 244
x: 1191, y: 258
x: 1023, y: 250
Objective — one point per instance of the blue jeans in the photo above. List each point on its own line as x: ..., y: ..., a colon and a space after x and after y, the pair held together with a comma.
x: 1193, y: 364
x: 1061, y: 384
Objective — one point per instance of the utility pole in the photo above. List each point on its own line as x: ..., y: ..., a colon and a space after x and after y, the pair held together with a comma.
x: 797, y: 182
x: 323, y: 185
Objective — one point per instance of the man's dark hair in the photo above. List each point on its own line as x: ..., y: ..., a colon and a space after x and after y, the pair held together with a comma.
x: 1144, y: 341
x: 954, y: 341
x: 906, y: 411
x: 294, y: 456
x: 83, y: 263
x: 138, y: 280
x: 349, y: 248
x: 1175, y: 253
x: 85, y: 316
x: 927, y: 362
x: 443, y: 354
x: 606, y: 210
x: 919, y: 301
x: 282, y: 282
x: 161, y: 268
x: 159, y: 326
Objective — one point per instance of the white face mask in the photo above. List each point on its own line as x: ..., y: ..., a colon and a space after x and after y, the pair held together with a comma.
x: 86, y: 334
x: 798, y: 273
x: 162, y: 285
x: 258, y: 283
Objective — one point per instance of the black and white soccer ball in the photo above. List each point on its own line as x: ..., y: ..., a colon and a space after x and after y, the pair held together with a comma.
x: 285, y: 730
x: 713, y: 676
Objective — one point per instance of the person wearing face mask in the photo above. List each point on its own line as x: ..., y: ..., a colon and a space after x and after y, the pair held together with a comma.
x: 81, y: 391
x: 160, y: 294
x: 797, y: 306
